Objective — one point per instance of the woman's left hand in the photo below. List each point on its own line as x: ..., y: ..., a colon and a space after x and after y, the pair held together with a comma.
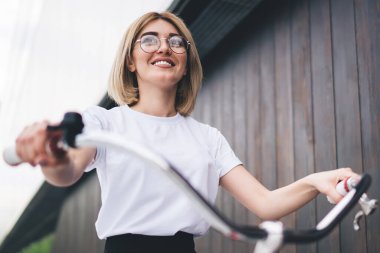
x: 325, y: 182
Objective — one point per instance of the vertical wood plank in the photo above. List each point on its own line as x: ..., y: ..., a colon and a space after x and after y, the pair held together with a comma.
x: 368, y: 53
x: 284, y: 110
x: 302, y: 108
x: 323, y: 105
x: 252, y: 73
x: 267, y: 107
x: 349, y: 152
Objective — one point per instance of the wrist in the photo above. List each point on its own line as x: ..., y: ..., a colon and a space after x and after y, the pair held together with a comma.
x: 311, y: 184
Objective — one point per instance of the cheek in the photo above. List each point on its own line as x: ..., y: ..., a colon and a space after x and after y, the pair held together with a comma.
x: 139, y: 59
x: 132, y: 62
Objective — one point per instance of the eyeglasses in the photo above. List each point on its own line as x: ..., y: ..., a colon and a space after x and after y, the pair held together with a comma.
x: 151, y: 43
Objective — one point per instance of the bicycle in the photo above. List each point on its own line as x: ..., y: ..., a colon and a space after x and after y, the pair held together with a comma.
x: 269, y: 235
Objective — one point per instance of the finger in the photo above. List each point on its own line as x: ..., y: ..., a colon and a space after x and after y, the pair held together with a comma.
x: 53, y: 144
x: 25, y: 149
x: 334, y: 197
x: 30, y: 143
x: 40, y: 144
x: 54, y: 155
x: 347, y: 172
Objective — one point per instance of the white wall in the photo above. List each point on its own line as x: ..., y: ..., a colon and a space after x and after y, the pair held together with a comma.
x: 55, y: 56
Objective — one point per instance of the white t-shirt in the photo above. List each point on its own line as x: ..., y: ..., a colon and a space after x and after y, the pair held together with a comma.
x: 141, y: 200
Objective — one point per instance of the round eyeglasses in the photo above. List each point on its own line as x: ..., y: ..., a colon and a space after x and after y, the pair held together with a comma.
x: 151, y: 43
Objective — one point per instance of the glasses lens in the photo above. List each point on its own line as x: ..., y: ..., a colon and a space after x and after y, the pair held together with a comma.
x: 177, y: 44
x: 149, y: 43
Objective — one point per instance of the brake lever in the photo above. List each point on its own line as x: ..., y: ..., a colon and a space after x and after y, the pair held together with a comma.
x: 368, y: 206
x: 71, y: 125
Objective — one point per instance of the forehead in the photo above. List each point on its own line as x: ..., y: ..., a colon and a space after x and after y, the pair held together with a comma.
x: 161, y: 27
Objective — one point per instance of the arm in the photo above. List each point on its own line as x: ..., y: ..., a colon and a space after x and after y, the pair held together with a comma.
x: 60, y: 168
x: 70, y: 169
x: 272, y: 205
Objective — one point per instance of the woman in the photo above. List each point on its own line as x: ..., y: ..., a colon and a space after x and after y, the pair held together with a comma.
x: 155, y: 80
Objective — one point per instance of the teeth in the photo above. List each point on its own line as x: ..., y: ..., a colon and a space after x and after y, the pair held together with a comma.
x: 162, y: 63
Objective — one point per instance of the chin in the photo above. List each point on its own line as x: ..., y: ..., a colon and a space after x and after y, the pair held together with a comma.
x: 167, y: 80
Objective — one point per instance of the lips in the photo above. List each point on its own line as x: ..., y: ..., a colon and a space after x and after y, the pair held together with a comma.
x: 163, y: 62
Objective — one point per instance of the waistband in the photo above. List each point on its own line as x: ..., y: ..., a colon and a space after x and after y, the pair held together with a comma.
x: 178, y: 235
x: 135, y: 243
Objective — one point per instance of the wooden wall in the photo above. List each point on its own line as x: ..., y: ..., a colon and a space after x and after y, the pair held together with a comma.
x: 75, y: 231
x: 296, y: 90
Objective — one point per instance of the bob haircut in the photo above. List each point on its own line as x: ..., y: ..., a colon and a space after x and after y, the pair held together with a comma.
x: 123, y: 86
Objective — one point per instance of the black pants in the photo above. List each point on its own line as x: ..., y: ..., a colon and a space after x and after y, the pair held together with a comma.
x: 181, y: 242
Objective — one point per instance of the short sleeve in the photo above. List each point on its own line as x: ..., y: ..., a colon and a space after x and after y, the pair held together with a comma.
x: 225, y: 158
x: 94, y: 119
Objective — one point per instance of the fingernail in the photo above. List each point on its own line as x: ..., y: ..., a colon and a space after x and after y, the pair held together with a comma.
x: 43, y: 163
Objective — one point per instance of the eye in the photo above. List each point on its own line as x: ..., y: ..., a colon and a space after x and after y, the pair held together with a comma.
x: 149, y: 40
x: 176, y: 41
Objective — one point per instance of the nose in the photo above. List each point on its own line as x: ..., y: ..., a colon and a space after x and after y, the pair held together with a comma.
x: 164, y: 46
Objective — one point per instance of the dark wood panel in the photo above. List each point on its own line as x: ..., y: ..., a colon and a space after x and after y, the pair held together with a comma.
x: 323, y: 106
x: 349, y: 152
x: 76, y: 227
x: 314, y: 94
x: 253, y: 161
x: 368, y: 53
x: 283, y: 103
x: 302, y: 108
x: 267, y: 106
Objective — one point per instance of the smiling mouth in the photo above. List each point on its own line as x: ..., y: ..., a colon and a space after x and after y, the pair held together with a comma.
x: 163, y: 63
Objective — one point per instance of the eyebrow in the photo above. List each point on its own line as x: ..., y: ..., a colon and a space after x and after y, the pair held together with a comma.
x: 156, y: 34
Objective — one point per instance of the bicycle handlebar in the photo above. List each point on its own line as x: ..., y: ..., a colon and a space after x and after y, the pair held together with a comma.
x: 72, y: 126
x: 10, y: 156
x: 332, y: 218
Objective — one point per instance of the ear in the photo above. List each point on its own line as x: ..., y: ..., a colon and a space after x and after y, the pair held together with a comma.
x: 131, y: 67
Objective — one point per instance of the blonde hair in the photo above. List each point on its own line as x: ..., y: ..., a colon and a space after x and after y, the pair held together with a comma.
x: 123, y: 86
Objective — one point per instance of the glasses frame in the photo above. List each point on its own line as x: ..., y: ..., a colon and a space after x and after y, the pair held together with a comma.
x: 187, y: 43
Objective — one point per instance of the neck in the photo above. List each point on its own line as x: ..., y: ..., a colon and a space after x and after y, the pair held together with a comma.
x: 156, y: 102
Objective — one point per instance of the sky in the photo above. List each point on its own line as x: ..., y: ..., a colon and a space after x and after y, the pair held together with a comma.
x: 55, y: 56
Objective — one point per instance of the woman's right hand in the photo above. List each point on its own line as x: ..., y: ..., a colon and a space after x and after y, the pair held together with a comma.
x: 38, y: 146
